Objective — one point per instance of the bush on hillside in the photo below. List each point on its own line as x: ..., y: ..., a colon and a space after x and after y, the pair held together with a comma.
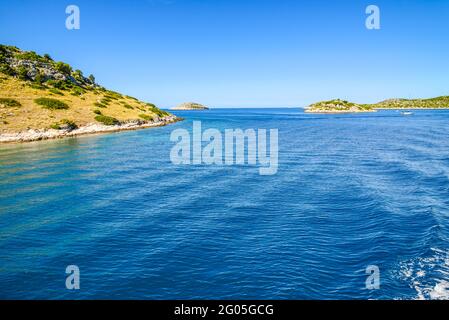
x: 6, y: 69
x: 63, y: 68
x: 60, y: 84
x: 56, y: 91
x: 64, y: 124
x: 30, y: 55
x: 7, y: 102
x: 51, y: 104
x: 159, y: 112
x: 68, y: 124
x: 108, y: 121
x: 77, y: 91
x: 22, y: 73
x: 146, y: 117
x: 100, y: 105
x: 39, y: 79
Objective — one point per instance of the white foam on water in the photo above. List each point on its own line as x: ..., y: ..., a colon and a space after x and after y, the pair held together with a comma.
x: 440, y: 291
x: 429, y: 276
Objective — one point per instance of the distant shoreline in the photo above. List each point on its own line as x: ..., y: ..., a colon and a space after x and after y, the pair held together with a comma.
x: 344, y: 106
x: 190, y: 106
x: 371, y: 111
x: 444, y: 108
x: 33, y: 135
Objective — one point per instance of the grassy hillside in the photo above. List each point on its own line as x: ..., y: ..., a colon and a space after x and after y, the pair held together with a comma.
x: 433, y: 103
x: 337, y: 106
x: 39, y: 93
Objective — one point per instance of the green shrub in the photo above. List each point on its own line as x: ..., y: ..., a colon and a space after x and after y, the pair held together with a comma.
x: 30, y: 55
x: 6, y: 49
x: 78, y: 73
x: 127, y: 106
x: 146, y: 117
x: 92, y: 78
x: 105, y: 101
x: 40, y: 78
x: 55, y: 83
x: 22, y: 73
x: 63, y: 68
x: 132, y: 98
x: 98, y: 112
x: 68, y: 124
x: 77, y: 91
x: 113, y: 95
x: 56, y: 91
x: 60, y: 84
x: 109, y: 97
x: 51, y: 104
x: 7, y: 102
x: 159, y: 112
x: 109, y: 121
x: 64, y: 124
x: 6, y: 69
x: 48, y: 57
x: 37, y: 86
x: 100, y: 105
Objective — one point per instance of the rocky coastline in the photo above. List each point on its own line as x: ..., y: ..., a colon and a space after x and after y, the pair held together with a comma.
x: 91, y: 128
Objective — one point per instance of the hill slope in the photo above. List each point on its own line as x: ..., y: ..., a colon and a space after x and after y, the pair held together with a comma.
x: 433, y: 103
x: 342, y: 106
x: 338, y: 106
x: 38, y: 94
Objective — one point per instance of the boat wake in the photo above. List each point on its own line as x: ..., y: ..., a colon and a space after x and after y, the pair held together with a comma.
x: 429, y: 276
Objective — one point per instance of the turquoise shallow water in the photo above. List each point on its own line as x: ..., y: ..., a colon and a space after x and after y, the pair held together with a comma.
x: 351, y: 191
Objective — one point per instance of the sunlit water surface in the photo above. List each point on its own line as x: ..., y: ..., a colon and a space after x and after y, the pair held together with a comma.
x: 351, y: 191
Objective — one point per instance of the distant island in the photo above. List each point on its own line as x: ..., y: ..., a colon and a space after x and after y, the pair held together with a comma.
x: 343, y: 106
x: 190, y: 106
x: 43, y: 99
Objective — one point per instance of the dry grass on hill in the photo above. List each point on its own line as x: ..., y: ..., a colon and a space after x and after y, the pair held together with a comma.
x: 30, y: 115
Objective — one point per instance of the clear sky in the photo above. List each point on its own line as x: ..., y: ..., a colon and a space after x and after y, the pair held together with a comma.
x: 243, y: 53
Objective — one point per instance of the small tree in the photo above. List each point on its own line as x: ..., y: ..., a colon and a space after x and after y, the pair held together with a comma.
x: 92, y: 78
x: 39, y: 79
x: 22, y: 73
x: 48, y: 57
x: 78, y: 74
x: 63, y: 68
x: 6, y: 69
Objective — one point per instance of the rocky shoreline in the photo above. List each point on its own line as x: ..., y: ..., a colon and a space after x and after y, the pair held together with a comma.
x: 92, y: 128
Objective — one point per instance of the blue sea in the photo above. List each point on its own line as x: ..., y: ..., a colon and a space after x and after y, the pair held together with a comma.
x: 351, y: 191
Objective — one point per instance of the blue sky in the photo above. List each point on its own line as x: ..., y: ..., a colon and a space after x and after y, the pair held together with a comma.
x: 246, y: 53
